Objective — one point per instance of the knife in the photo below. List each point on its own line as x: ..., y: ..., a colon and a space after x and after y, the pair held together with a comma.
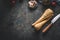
x: 52, y: 22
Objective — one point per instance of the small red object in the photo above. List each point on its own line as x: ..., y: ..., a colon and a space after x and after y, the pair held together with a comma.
x: 12, y: 3
x: 53, y: 3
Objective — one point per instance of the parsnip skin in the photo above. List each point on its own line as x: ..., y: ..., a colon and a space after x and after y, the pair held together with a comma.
x: 45, y: 15
x: 39, y: 25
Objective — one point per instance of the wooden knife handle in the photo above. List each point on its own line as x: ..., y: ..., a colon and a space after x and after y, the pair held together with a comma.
x: 44, y: 30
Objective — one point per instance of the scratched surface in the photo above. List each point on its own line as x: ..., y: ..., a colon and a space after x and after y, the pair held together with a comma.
x: 18, y: 24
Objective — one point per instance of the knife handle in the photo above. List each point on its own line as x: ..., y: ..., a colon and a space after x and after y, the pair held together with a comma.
x: 44, y: 30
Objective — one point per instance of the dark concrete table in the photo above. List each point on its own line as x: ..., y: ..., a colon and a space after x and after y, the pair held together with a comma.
x: 18, y: 24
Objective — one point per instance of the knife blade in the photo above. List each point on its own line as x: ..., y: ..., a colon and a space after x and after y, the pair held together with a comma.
x: 55, y: 18
x: 52, y: 22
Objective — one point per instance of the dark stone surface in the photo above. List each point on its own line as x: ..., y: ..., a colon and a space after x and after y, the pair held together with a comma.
x: 16, y: 24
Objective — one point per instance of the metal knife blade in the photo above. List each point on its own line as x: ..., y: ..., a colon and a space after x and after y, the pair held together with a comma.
x: 55, y: 18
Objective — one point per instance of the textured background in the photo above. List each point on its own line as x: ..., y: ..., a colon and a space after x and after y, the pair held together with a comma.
x: 15, y: 23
